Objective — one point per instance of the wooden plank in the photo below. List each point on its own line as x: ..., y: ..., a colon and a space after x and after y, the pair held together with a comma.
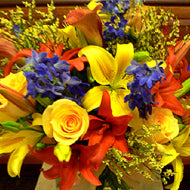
x: 167, y: 2
x: 13, y: 3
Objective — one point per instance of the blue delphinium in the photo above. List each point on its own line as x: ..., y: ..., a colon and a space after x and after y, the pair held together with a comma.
x: 115, y: 27
x: 16, y: 30
x: 144, y: 79
x: 51, y: 77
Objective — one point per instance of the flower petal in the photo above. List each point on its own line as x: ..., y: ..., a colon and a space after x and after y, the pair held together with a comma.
x: 102, y: 64
x: 46, y: 155
x: 16, y: 160
x: 68, y: 173
x: 22, y: 53
x: 105, y: 107
x: 105, y: 144
x: 178, y: 169
x: 123, y: 58
x: 119, y: 107
x: 93, y: 97
x: 52, y: 173
x: 88, y: 22
x: 170, y: 152
x: 121, y: 144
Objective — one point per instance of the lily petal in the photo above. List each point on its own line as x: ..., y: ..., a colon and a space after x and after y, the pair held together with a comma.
x: 16, y: 160
x: 121, y: 144
x: 68, y: 173
x: 93, y: 97
x: 46, y: 155
x: 181, y: 138
x: 69, y: 32
x: 170, y: 150
x: 105, y: 144
x: 102, y: 64
x: 119, y: 107
x: 123, y: 58
x: 22, y: 53
x: 17, y: 98
x: 52, y: 173
x: 178, y: 168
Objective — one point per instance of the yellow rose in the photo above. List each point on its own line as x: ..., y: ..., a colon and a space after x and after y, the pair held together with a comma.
x: 168, y: 124
x: 65, y: 121
x: 8, y: 110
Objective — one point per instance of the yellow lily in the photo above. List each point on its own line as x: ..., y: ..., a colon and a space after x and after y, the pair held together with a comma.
x: 17, y: 145
x: 109, y: 72
x: 180, y: 146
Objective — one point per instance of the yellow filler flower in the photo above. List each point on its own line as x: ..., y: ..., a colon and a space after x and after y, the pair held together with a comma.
x: 109, y: 72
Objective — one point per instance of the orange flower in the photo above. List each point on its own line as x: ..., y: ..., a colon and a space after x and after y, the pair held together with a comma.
x: 89, y: 23
x: 107, y: 131
x: 78, y: 62
x: 81, y: 159
x: 164, y: 94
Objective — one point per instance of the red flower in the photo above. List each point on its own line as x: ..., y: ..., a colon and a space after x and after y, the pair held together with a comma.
x: 78, y: 62
x: 177, y: 53
x: 107, y: 130
x: 164, y: 94
x: 67, y: 171
x: 50, y: 48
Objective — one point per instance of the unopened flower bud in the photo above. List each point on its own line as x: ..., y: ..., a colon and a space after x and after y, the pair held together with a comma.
x: 63, y: 152
x: 11, y: 126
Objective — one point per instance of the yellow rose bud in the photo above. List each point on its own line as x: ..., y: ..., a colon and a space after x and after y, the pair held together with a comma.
x: 63, y: 152
x: 65, y: 121
x: 168, y: 124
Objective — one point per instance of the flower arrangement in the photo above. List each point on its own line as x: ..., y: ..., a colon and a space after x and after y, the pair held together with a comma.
x: 108, y: 89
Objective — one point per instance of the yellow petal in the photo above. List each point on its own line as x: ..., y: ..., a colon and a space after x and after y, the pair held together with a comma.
x: 8, y: 142
x: 178, y: 168
x: 102, y: 64
x: 123, y: 58
x: 46, y: 121
x: 136, y: 122
x: 181, y: 138
x: 184, y: 151
x: 17, y: 143
x: 119, y: 107
x: 69, y: 32
x: 93, y: 97
x: 170, y: 151
x: 16, y: 160
x: 37, y: 119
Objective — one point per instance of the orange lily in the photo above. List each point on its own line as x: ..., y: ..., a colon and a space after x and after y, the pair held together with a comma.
x: 164, y: 94
x: 78, y: 62
x: 176, y: 54
x: 107, y: 130
x: 17, y: 99
x: 68, y: 170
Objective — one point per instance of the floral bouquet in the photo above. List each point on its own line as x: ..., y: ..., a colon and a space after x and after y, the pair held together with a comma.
x: 106, y: 91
